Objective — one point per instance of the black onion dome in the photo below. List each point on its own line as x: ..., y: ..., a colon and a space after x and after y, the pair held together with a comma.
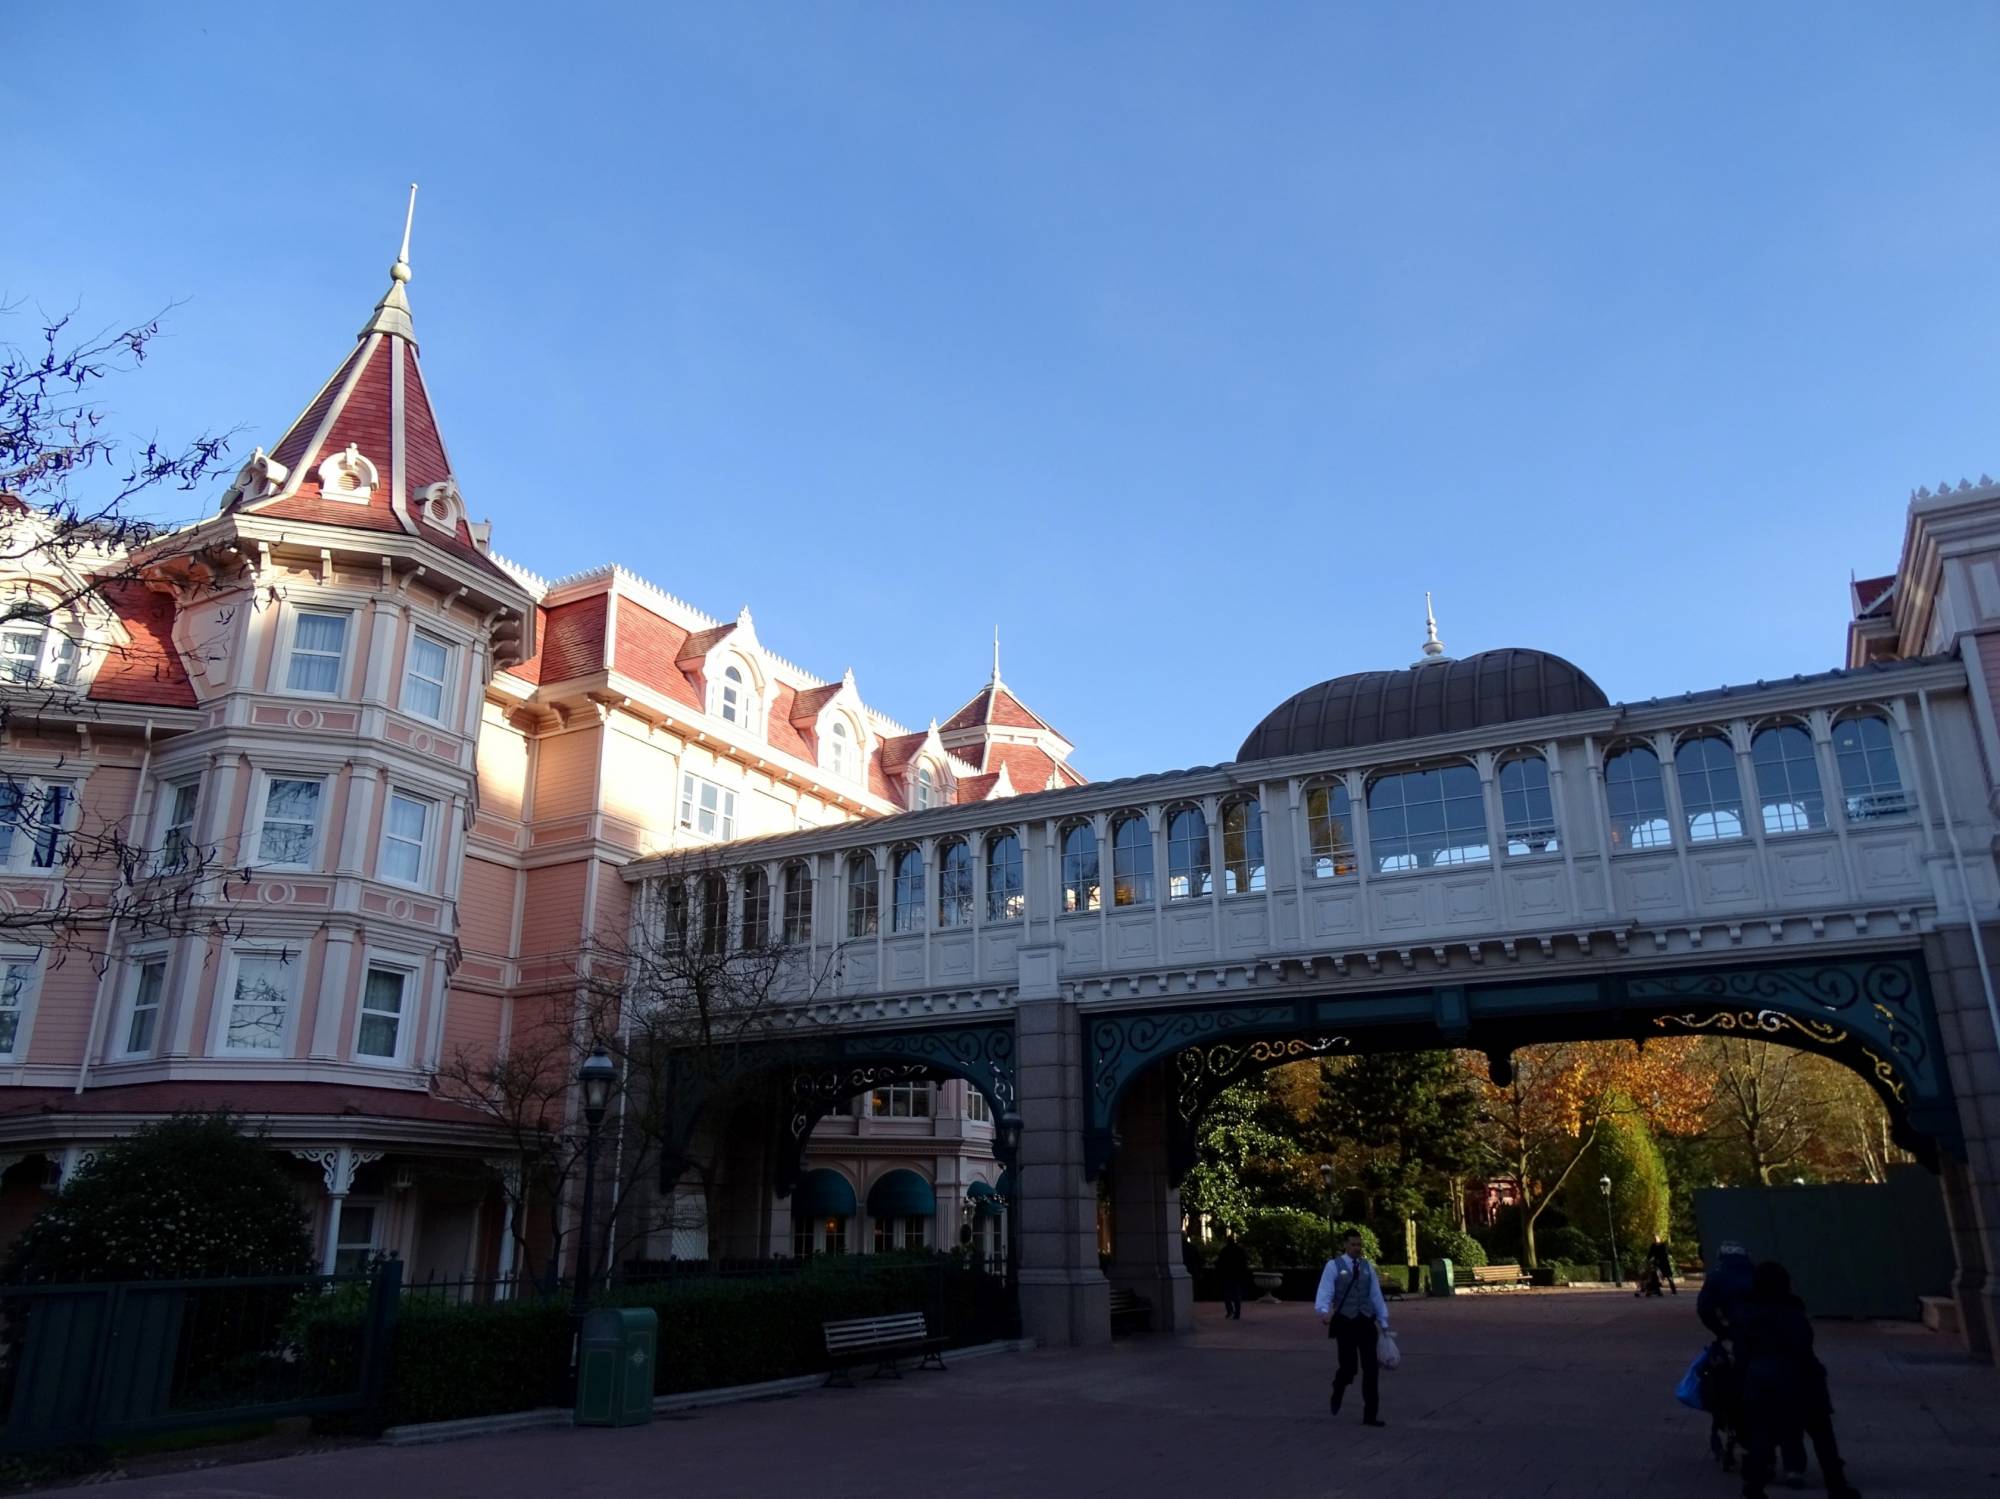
x: 1437, y: 697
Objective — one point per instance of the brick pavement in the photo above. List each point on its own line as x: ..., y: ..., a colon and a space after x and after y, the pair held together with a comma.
x: 1507, y: 1394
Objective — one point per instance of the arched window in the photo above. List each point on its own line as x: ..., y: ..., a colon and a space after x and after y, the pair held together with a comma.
x: 840, y: 749
x: 1637, y: 799
x: 906, y: 890
x: 864, y: 895
x: 1330, y: 829
x: 1427, y: 819
x: 714, y: 912
x: 1242, y: 846
x: 1871, y: 786
x: 1187, y: 854
x: 1527, y: 809
x: 1711, y: 795
x: 798, y: 902
x: 1079, y: 868
x: 1006, y: 891
x: 1788, y: 793
x: 674, y: 913
x: 756, y: 909
x: 729, y: 694
x: 1131, y: 861
x: 954, y: 883
x: 925, y: 794
x: 36, y: 646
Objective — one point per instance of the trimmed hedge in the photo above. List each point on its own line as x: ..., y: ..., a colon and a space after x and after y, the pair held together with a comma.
x: 452, y: 1361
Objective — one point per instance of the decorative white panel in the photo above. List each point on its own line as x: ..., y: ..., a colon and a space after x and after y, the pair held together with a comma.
x: 951, y: 957
x: 1244, y: 927
x: 1651, y: 885
x: 1190, y: 929
x: 857, y: 967
x: 1082, y: 942
x: 906, y: 961
x: 1336, y: 912
x: 1132, y: 936
x: 1535, y: 892
x: 1398, y: 906
x: 1889, y: 863
x: 1726, y: 879
x: 1002, y: 949
x: 1805, y: 868
x: 1468, y: 900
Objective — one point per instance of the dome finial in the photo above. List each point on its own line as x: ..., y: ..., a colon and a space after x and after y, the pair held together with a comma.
x: 392, y: 313
x: 1433, y: 647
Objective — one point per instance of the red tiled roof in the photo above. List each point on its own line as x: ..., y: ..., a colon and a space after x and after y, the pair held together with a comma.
x: 782, y: 729
x: 530, y: 670
x: 1029, y: 767
x: 252, y: 1099
x: 650, y: 650
x: 977, y: 788
x: 899, y: 749
x: 150, y: 670
x: 1001, y: 708
x: 572, y: 640
x: 291, y: 448
x: 1872, y: 596
x: 806, y: 705
x: 702, y: 642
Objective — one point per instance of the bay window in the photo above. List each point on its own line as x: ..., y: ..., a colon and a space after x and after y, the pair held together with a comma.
x: 319, y: 649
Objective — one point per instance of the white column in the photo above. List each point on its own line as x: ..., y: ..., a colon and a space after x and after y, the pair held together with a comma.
x: 361, y: 783
x: 332, y: 997
x: 337, y: 1164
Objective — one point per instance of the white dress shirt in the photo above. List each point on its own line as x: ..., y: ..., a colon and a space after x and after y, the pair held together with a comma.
x: 1353, y: 1287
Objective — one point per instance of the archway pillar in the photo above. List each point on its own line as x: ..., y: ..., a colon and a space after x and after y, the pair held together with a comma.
x: 1972, y: 1186
x: 1146, y: 1207
x: 1065, y: 1299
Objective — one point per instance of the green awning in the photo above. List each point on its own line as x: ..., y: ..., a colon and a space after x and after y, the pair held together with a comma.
x: 823, y: 1194
x: 901, y: 1194
x: 985, y: 1201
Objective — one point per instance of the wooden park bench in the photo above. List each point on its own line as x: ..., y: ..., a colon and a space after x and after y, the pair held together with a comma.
x: 1488, y: 1275
x: 882, y: 1341
x: 1130, y: 1312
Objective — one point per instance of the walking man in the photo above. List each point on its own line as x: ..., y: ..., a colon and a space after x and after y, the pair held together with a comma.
x: 1350, y: 1304
x: 1234, y: 1267
x: 1663, y: 1264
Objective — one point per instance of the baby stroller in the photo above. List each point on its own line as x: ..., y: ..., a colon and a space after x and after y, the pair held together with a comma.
x: 1722, y: 1398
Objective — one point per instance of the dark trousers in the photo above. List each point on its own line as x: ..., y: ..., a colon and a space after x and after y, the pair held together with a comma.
x: 1355, y: 1338
x: 1232, y: 1297
x: 1768, y: 1439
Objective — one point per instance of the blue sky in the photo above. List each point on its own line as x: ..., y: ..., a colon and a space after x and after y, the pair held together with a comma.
x: 1190, y: 344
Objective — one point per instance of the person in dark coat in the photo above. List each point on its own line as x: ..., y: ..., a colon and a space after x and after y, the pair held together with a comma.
x: 1784, y: 1392
x: 1663, y: 1264
x: 1724, y: 1288
x: 1234, y: 1266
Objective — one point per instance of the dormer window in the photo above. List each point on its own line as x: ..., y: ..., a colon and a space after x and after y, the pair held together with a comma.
x: 841, y: 755
x: 924, y: 792
x: 348, y: 475
x: 734, y: 697
x: 34, y: 648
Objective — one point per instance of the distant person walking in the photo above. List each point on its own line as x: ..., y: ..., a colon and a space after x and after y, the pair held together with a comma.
x: 1234, y: 1266
x: 1350, y: 1304
x: 1663, y: 1264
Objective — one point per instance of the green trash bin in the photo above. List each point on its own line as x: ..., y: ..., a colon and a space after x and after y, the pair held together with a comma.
x: 614, y: 1366
x: 1443, y: 1278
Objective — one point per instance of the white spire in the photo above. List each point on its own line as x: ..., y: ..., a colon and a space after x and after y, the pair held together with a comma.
x: 1433, y: 647
x: 392, y: 313
x: 996, y: 655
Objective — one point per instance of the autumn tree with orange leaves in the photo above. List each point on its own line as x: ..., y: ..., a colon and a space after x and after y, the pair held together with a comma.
x: 1542, y: 1122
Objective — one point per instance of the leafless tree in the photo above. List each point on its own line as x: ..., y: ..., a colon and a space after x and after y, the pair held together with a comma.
x: 688, y: 1003
x: 75, y: 539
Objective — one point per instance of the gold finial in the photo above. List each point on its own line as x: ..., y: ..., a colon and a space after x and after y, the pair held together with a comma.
x: 401, y: 269
x: 1433, y: 647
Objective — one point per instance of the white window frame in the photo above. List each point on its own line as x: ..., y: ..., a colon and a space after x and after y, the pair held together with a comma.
x: 292, y: 965
x: 265, y: 779
x: 128, y: 1004
x: 908, y: 1093
x: 690, y: 810
x: 410, y: 970
x: 844, y: 749
x: 443, y: 681
x: 23, y: 839
x: 377, y: 1207
x: 26, y: 999
x: 170, y: 791
x: 430, y: 809
x: 292, y: 617
x: 58, y: 655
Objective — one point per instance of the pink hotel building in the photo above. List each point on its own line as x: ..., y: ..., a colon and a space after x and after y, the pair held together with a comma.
x: 427, y: 766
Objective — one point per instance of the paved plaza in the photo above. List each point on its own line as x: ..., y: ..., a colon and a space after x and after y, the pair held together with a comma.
x: 1504, y: 1394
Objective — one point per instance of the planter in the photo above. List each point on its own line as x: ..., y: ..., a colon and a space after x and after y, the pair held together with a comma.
x: 1268, y: 1282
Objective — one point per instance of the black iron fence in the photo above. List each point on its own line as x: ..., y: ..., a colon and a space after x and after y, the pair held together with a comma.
x: 93, y: 1363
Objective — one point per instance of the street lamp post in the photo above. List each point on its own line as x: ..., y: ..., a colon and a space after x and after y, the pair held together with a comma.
x: 595, y: 1078
x: 1326, y: 1183
x: 1611, y: 1226
x: 1007, y: 1135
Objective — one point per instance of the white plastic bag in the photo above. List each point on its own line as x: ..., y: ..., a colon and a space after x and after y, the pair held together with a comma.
x: 1387, y: 1353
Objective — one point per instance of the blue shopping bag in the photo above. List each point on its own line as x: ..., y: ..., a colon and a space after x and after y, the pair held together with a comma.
x: 1688, y: 1391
